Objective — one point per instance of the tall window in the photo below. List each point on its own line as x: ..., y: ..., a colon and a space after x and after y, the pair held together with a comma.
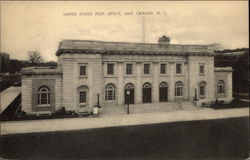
x: 202, y: 69
x: 146, y: 68
x: 178, y: 88
x: 221, y: 87
x: 43, y: 96
x: 82, y: 96
x: 178, y: 68
x: 83, y: 70
x: 129, y: 68
x: 110, y: 92
x: 110, y: 69
x: 163, y: 68
x: 202, y: 89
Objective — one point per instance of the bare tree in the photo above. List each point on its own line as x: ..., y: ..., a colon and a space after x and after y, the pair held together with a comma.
x: 35, y: 58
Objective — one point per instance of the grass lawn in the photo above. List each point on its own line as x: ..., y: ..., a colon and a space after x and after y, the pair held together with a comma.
x: 207, y: 139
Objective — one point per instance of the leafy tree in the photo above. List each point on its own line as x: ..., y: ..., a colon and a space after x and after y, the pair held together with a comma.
x: 35, y: 58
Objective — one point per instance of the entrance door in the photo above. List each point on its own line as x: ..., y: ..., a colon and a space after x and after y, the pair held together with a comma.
x: 146, y: 93
x: 129, y: 98
x: 163, y: 92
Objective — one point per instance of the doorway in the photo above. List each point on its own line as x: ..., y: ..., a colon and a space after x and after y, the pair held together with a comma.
x: 129, y: 98
x: 147, y: 93
x: 163, y: 92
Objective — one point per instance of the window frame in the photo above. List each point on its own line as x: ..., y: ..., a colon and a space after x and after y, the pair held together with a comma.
x: 202, y: 65
x: 149, y: 68
x: 80, y: 89
x: 48, y: 97
x: 179, y: 89
x: 218, y: 85
x: 79, y: 97
x: 126, y: 69
x: 86, y: 71
x: 111, y: 91
x: 202, y: 84
x: 165, y: 68
x: 181, y: 68
x: 113, y: 69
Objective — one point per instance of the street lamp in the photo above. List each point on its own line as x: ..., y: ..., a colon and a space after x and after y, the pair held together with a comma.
x: 128, y: 93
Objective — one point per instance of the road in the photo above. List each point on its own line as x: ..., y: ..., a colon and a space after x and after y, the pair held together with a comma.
x: 224, y: 139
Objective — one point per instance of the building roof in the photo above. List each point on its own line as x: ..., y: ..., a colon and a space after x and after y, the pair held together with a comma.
x: 101, y: 47
x: 41, y: 71
x: 240, y: 53
x: 223, y: 69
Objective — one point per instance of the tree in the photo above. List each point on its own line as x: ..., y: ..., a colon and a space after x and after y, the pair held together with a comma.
x: 35, y: 58
x: 15, y: 66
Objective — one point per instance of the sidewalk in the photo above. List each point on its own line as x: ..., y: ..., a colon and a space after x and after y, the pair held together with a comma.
x: 37, y: 126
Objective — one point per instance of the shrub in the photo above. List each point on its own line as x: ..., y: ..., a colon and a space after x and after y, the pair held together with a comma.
x: 221, y: 102
x: 216, y: 101
x: 63, y: 110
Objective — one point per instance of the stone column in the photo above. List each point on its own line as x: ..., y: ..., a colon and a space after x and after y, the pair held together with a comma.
x: 138, y: 86
x: 171, y: 82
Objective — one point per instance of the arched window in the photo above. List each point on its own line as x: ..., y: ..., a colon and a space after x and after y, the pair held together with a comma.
x: 221, y: 87
x: 44, y: 96
x: 178, y: 88
x: 147, y: 85
x: 129, y: 86
x: 163, y: 85
x: 110, y: 92
x: 202, y: 89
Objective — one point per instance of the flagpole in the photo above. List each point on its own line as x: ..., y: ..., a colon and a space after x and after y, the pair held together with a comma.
x: 143, y: 29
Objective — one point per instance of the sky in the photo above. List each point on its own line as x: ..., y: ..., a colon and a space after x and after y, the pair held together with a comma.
x: 29, y: 26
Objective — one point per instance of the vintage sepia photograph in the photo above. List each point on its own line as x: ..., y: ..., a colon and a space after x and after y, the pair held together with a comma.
x: 121, y: 80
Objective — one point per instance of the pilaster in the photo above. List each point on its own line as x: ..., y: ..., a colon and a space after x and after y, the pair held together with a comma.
x: 229, y: 86
x: 186, y: 81
x: 155, y: 94
x: 120, y: 85
x: 138, y: 89
x: 171, y: 82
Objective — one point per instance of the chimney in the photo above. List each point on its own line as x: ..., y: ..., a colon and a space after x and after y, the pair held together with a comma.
x: 164, y: 40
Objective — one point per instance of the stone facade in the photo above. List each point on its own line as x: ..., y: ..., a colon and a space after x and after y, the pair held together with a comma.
x: 77, y: 88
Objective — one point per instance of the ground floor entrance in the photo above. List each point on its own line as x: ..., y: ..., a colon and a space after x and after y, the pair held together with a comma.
x: 147, y: 93
x: 163, y: 92
x: 129, y: 98
x: 129, y: 94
